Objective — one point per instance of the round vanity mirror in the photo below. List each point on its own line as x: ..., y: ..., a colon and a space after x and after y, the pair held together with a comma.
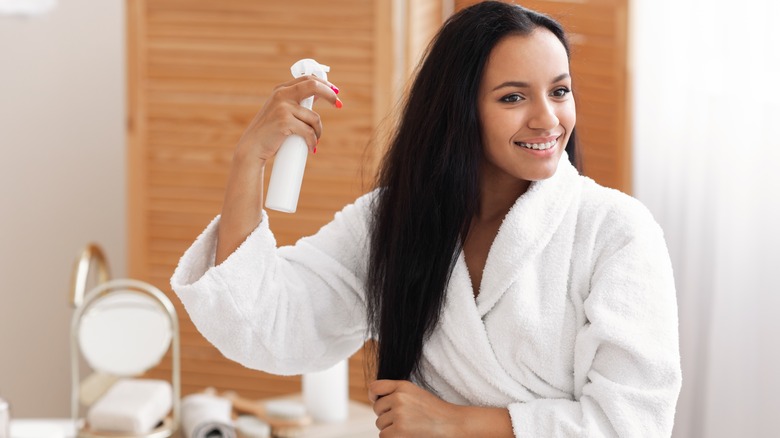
x: 122, y: 328
x: 124, y: 333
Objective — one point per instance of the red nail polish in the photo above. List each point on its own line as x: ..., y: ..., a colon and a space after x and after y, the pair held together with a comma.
x: 315, y: 149
x: 338, y: 103
x: 335, y: 89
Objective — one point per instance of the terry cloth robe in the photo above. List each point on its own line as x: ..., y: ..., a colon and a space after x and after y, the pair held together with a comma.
x: 574, y: 329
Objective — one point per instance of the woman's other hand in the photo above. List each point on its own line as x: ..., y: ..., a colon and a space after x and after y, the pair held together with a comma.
x: 404, y: 409
x: 282, y: 115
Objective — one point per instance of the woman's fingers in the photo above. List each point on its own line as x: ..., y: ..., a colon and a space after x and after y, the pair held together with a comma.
x: 309, y: 117
x: 287, y: 123
x: 301, y: 88
x: 383, y: 405
x: 384, y: 421
x: 282, y: 115
x: 380, y: 388
x: 305, y: 130
x: 383, y: 408
x: 306, y: 86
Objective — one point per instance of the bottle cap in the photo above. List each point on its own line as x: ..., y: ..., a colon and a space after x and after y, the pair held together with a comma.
x: 309, y: 66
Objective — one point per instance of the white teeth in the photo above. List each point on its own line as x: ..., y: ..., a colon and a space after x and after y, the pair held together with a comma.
x: 537, y: 146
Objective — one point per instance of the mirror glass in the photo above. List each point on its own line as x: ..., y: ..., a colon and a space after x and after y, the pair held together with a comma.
x: 124, y: 334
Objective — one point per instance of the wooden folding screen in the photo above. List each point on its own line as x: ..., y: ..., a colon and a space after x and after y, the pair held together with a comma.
x: 198, y: 71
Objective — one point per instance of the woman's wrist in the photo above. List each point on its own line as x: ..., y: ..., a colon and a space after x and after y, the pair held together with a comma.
x: 485, y: 422
x: 246, y: 155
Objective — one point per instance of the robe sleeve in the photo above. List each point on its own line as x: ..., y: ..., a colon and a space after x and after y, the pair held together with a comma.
x: 285, y: 311
x: 627, y: 352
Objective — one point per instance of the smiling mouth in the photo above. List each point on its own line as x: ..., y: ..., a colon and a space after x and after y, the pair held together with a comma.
x: 538, y: 146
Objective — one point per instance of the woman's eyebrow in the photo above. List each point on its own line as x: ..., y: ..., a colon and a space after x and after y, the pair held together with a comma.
x: 521, y: 84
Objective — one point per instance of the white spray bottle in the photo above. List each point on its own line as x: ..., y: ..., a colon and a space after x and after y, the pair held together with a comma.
x: 287, y: 174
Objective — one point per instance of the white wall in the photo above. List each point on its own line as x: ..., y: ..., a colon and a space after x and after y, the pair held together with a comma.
x: 62, y: 184
x: 705, y: 163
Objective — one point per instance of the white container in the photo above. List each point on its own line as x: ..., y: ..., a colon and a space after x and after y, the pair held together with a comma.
x: 5, y: 419
x: 287, y: 174
x: 326, y: 393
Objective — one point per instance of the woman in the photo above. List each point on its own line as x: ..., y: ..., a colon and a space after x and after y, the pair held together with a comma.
x: 509, y: 295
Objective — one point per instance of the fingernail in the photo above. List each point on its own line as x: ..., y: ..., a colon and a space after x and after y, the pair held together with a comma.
x: 315, y: 149
x: 338, y: 103
x: 335, y: 89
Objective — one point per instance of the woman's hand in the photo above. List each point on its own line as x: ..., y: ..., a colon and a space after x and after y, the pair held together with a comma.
x: 282, y: 115
x: 405, y: 410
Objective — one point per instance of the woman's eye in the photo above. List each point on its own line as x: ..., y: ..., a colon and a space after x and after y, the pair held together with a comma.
x: 561, y: 92
x: 512, y: 98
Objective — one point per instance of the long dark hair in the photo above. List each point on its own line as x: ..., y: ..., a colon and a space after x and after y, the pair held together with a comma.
x: 428, y: 183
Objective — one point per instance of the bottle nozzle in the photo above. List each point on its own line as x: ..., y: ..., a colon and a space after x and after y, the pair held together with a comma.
x: 310, y: 67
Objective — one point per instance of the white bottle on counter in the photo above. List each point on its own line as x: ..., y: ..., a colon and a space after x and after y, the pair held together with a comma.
x: 326, y: 393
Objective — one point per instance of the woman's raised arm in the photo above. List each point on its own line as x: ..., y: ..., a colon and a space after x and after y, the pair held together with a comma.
x: 281, y: 116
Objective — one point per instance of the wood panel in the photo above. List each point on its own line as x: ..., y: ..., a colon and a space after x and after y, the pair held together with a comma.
x: 198, y: 70
x: 598, y: 37
x: 423, y: 18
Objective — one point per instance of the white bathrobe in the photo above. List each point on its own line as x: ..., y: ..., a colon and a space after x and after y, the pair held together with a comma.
x: 574, y: 329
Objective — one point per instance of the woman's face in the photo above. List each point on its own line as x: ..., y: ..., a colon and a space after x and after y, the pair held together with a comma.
x: 526, y: 107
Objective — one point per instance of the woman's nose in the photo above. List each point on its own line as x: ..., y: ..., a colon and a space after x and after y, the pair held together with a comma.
x: 543, y: 116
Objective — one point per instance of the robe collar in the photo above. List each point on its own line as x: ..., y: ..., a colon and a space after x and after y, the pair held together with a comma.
x: 480, y: 378
x: 527, y: 228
